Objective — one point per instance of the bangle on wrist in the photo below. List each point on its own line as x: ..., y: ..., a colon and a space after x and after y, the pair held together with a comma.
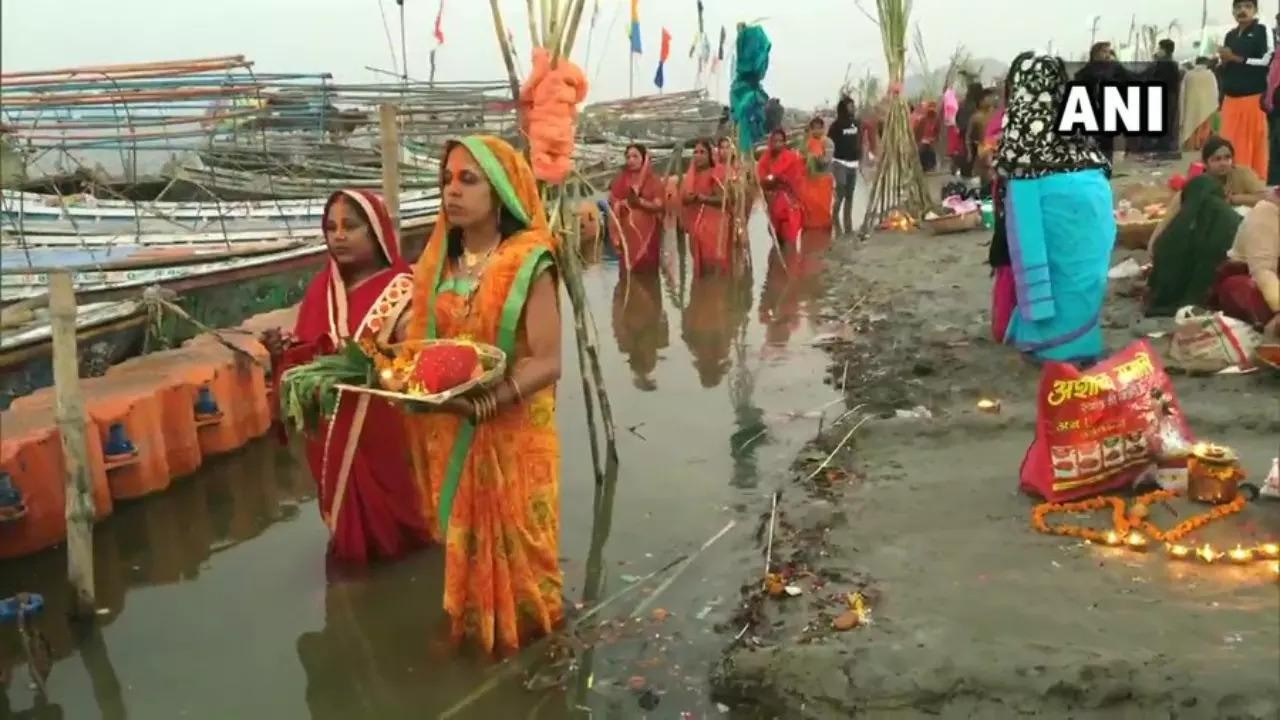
x: 515, y: 390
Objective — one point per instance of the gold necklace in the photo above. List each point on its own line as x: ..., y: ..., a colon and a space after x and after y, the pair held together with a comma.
x: 470, y: 259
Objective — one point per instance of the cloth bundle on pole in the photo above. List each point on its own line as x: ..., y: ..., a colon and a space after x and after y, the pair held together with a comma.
x: 549, y: 103
x: 747, y: 96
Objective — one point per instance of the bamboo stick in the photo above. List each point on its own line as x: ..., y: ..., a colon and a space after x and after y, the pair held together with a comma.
x: 499, y: 28
x: 390, y: 147
x: 70, y: 414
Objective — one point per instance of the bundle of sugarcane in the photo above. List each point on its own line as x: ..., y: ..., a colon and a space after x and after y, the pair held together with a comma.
x: 308, y: 393
x: 553, y: 26
x: 899, y: 180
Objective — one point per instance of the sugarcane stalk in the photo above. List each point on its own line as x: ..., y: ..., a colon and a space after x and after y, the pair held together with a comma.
x: 500, y: 28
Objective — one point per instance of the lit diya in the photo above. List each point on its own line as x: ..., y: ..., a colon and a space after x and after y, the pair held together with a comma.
x: 1112, y: 538
x: 989, y: 406
x: 1240, y: 555
x: 1136, y: 541
x: 1179, y: 552
x: 1271, y: 550
x: 1207, y: 553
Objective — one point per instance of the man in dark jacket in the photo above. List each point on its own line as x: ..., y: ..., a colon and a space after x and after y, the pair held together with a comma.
x: 845, y: 134
x: 1166, y: 72
x: 1102, y: 68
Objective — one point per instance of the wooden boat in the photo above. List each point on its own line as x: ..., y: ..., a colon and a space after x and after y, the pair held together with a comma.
x: 106, y: 333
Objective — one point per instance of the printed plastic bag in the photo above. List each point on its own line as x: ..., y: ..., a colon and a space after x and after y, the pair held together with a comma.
x: 1095, y: 427
x: 1205, y: 342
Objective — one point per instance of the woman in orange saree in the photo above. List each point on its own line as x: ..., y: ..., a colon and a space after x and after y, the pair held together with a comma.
x: 703, y: 217
x: 368, y: 498
x: 491, y: 461
x: 781, y: 173
x: 637, y: 199
x: 817, y: 194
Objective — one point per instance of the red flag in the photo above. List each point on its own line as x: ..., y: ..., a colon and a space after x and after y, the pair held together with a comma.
x: 666, y: 46
x: 439, y: 30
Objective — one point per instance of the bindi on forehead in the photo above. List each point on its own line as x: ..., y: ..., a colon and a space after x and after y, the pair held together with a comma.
x: 459, y: 160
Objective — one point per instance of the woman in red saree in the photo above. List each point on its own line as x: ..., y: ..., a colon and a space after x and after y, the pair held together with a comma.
x: 702, y: 195
x: 782, y: 173
x: 818, y: 191
x: 368, y: 496
x: 636, y: 197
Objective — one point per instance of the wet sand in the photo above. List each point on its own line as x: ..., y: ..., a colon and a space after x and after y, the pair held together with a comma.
x: 974, y: 614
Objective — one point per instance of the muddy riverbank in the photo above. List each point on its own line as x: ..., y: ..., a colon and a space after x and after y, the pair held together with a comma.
x: 973, y: 614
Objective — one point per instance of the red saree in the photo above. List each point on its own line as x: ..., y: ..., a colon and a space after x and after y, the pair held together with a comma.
x: 705, y: 222
x: 638, y: 231
x: 783, y: 202
x: 368, y: 497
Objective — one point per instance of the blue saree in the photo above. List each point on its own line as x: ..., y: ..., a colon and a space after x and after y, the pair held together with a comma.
x: 1061, y: 232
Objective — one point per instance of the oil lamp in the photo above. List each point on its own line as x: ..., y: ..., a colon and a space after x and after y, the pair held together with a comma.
x: 1240, y: 555
x: 1270, y: 550
x: 1179, y: 552
x: 1207, y: 553
x: 1136, y: 541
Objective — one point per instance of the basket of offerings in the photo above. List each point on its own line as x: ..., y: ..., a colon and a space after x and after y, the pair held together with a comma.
x: 1134, y: 226
x: 431, y: 372
x: 944, y: 221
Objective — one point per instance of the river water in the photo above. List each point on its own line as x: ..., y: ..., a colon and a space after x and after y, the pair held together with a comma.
x: 215, y: 601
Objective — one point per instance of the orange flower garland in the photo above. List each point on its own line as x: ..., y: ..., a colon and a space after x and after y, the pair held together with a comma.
x: 1122, y: 522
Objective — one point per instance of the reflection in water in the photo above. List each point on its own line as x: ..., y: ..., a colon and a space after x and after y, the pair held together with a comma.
x: 715, y: 316
x: 791, y: 284
x: 162, y: 539
x: 640, y: 324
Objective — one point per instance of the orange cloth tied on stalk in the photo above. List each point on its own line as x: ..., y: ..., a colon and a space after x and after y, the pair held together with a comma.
x: 549, y: 112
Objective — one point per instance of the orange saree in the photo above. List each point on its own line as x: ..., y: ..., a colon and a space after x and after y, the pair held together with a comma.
x: 705, y: 222
x: 494, y: 487
x: 817, y: 193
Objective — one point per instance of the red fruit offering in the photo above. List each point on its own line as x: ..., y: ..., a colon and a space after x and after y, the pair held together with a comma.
x: 444, y: 367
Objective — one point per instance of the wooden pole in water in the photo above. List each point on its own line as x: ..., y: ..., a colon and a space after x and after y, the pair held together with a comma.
x: 69, y: 413
x: 389, y: 140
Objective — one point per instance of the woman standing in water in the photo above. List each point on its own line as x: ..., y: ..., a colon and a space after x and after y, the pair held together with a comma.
x: 368, y: 498
x: 636, y: 198
x: 781, y: 172
x: 818, y: 190
x: 491, y: 461
x: 1059, y: 220
x: 702, y: 194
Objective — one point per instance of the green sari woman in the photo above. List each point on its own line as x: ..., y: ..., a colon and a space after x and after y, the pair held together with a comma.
x: 1187, y: 254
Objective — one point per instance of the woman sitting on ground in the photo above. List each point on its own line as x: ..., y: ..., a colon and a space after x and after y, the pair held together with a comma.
x: 1193, y: 239
x: 1248, y: 283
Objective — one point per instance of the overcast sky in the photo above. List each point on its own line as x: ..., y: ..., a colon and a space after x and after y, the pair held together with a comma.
x: 814, y: 41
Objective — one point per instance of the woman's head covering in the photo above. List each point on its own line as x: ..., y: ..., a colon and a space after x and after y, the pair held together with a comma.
x: 508, y: 174
x: 384, y: 233
x: 512, y: 181
x: 1030, y: 146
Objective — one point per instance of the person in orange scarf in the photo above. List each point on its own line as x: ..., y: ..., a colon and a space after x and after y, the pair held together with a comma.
x: 703, y: 217
x: 1245, y: 55
x: 637, y: 197
x: 782, y: 174
x: 490, y: 462
x: 817, y: 194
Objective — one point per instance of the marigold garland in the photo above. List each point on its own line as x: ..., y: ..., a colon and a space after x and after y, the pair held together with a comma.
x: 1123, y: 521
